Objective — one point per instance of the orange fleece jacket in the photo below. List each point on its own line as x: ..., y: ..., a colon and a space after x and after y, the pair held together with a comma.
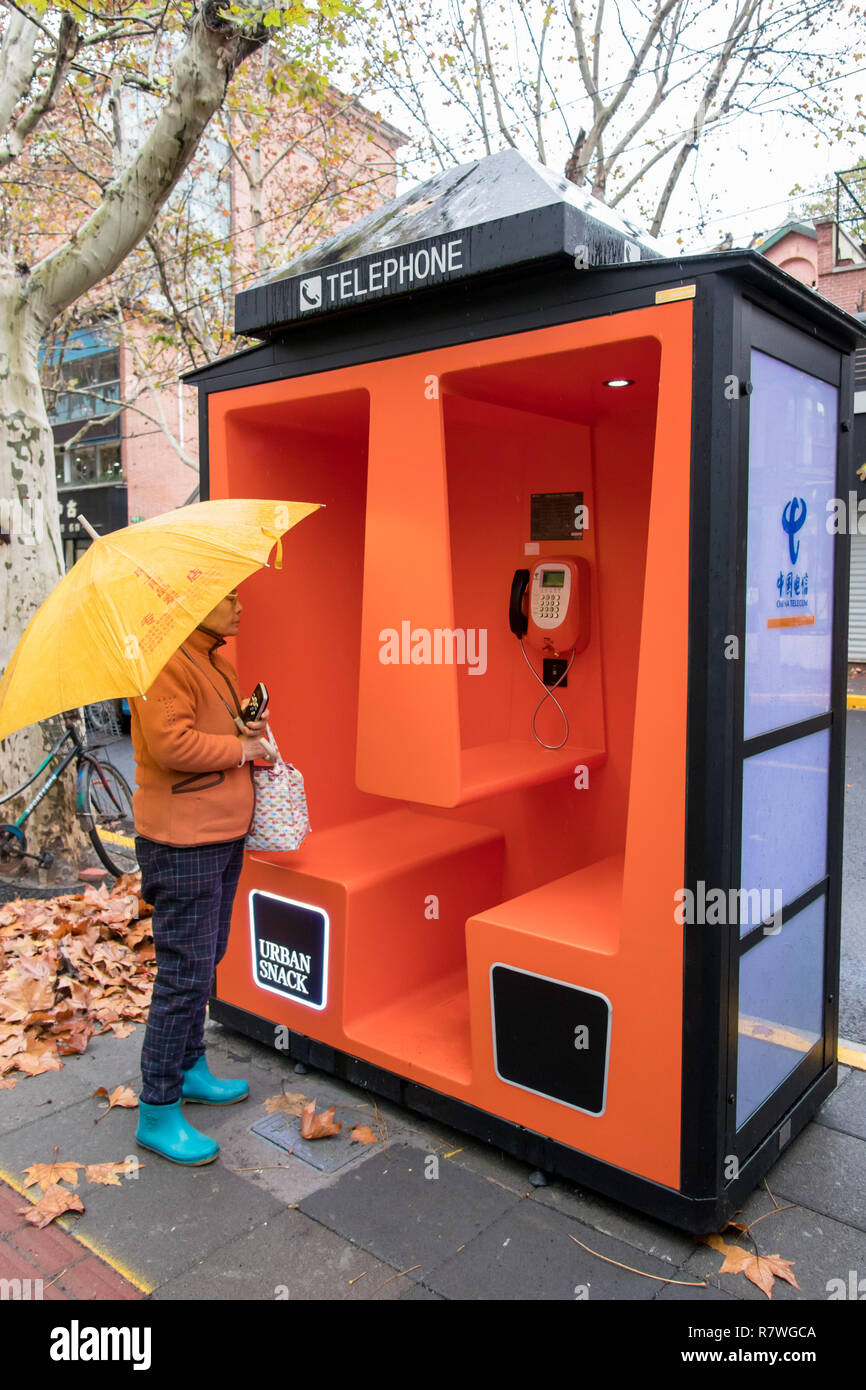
x: 189, y: 787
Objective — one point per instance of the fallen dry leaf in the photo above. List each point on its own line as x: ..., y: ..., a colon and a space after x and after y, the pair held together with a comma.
x: 74, y: 1039
x: 735, y: 1256
x: 121, y: 1030
x: 123, y: 1096
x: 8, y: 1084
x: 54, y: 1202
x: 16, y: 1042
x: 49, y: 1174
x: 315, y: 1126
x: 363, y: 1134
x: 287, y: 1102
x: 760, y: 1270
x: 109, y: 1174
x: 35, y: 1066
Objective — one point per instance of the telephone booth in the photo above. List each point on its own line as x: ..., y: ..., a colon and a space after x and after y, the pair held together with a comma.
x: 562, y: 662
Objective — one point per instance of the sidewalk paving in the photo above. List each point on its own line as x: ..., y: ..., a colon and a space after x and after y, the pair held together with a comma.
x: 49, y: 1264
x: 262, y: 1224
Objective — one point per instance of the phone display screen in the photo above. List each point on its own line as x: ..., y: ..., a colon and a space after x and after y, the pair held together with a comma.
x: 553, y: 579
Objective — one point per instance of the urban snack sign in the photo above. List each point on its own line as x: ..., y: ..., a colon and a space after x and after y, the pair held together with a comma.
x: 289, y: 942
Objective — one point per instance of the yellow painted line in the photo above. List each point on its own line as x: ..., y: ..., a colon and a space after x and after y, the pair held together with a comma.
x: 137, y: 1279
x: 131, y: 1277
x: 848, y: 1053
x: 114, y: 839
x: 857, y: 701
x: 773, y: 1033
x: 851, y: 1055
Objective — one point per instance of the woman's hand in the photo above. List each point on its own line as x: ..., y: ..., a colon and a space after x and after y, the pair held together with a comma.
x: 255, y: 747
x: 258, y: 726
x: 255, y: 742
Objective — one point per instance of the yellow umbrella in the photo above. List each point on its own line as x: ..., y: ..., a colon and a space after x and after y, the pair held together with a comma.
x: 123, y: 610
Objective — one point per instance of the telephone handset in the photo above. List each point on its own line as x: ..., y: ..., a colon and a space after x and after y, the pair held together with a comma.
x: 549, y: 606
x: 555, y: 619
x: 517, y: 619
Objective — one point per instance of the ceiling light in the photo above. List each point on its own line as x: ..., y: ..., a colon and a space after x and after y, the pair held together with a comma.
x: 619, y: 381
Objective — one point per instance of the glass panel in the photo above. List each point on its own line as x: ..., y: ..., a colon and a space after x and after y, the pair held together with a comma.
x: 789, y: 573
x: 109, y: 462
x: 781, y: 1006
x: 83, y: 464
x: 784, y: 847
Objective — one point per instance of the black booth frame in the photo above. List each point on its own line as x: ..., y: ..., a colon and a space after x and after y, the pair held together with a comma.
x: 741, y: 300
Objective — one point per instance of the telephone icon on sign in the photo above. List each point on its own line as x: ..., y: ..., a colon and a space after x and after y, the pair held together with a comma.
x: 311, y: 293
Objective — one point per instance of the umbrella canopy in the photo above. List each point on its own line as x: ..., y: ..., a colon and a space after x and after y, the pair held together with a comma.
x: 123, y: 610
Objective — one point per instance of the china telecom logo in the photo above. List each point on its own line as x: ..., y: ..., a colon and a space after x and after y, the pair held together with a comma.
x: 793, y: 520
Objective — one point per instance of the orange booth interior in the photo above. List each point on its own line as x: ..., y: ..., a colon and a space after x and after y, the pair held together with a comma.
x: 445, y: 839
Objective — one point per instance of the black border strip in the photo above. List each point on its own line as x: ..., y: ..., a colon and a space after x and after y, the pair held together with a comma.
x: 794, y: 907
x: 789, y: 733
x: 709, y: 735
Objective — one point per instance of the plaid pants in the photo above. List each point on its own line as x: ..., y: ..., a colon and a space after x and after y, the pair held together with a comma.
x: 192, y: 890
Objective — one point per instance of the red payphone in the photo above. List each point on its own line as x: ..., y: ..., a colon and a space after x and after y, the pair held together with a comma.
x: 549, y: 606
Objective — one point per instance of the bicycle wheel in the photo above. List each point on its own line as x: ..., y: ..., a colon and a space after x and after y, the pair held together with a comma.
x: 12, y: 842
x: 108, y: 802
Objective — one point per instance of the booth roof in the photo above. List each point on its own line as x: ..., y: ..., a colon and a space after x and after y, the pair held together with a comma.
x: 500, y: 185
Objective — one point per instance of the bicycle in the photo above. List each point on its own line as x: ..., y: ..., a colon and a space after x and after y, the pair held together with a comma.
x: 103, y: 804
x: 102, y: 721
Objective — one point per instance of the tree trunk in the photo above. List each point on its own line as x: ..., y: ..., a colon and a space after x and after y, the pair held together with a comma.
x: 31, y: 565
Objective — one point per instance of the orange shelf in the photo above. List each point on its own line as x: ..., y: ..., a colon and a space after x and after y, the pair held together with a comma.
x: 581, y: 909
x: 493, y: 768
x: 365, y: 852
x: 431, y: 1023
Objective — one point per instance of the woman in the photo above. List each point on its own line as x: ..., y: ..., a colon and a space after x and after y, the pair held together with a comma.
x: 193, y: 806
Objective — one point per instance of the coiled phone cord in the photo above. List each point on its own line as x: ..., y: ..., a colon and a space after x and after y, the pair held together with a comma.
x: 548, y: 695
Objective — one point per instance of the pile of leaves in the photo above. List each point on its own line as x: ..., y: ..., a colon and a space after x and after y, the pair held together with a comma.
x: 70, y: 967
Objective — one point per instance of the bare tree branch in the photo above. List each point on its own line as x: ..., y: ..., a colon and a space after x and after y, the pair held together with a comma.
x: 739, y: 26
x: 506, y: 133
x: 67, y: 46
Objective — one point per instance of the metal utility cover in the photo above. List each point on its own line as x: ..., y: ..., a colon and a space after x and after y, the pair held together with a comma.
x: 325, y: 1154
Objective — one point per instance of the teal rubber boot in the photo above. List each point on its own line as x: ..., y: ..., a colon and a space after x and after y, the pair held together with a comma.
x: 201, y: 1086
x: 164, y: 1130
